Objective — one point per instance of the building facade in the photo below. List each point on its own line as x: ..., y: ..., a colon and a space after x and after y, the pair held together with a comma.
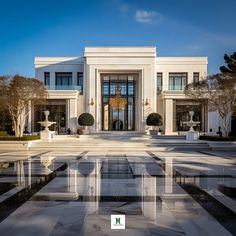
x: 120, y: 86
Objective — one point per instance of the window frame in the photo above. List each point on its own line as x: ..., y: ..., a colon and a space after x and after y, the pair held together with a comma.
x: 159, y: 77
x: 194, y: 74
x: 59, y: 80
x: 80, y: 81
x: 177, y: 86
x: 47, y: 78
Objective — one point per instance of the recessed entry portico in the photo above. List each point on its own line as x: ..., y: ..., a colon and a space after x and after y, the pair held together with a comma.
x: 118, y: 94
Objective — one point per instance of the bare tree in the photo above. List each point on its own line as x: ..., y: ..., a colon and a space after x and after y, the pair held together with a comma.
x: 219, y: 91
x: 18, y: 94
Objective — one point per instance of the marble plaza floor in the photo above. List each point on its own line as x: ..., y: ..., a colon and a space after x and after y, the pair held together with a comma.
x: 160, y: 193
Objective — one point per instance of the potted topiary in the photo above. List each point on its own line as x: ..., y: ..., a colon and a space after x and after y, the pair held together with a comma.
x: 154, y: 120
x: 85, y: 120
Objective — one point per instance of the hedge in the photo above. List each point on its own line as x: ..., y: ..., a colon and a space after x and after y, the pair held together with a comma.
x: 24, y: 138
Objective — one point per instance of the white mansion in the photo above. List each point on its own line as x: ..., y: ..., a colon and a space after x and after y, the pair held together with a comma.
x: 145, y: 82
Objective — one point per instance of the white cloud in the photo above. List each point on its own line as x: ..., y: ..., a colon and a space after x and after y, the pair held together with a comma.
x: 149, y: 17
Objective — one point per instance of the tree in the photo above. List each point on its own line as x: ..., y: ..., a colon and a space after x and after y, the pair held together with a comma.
x: 230, y: 68
x: 218, y: 90
x: 18, y: 94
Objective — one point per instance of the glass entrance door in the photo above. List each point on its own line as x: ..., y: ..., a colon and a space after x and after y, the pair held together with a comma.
x: 118, y: 99
x: 118, y: 119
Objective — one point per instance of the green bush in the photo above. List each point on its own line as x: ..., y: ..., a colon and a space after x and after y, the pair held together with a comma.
x: 154, y: 119
x: 13, y: 138
x: 86, y: 119
x: 216, y: 138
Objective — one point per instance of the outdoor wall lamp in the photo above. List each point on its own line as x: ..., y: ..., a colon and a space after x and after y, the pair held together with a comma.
x: 146, y: 103
x: 91, y: 103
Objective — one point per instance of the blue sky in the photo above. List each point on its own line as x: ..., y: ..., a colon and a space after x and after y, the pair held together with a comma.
x: 32, y: 28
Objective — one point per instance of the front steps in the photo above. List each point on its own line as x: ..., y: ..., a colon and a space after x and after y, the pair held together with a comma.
x: 115, y: 142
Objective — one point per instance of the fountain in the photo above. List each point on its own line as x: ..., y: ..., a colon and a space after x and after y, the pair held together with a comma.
x: 191, y: 134
x: 46, y: 134
x: 46, y: 162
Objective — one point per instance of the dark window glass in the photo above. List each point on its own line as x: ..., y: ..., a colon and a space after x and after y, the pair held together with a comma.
x: 46, y: 78
x: 123, y: 89
x: 63, y: 78
x: 195, y: 77
x: 159, y: 83
x: 177, y: 81
x: 80, y: 81
x: 113, y: 87
x: 130, y: 88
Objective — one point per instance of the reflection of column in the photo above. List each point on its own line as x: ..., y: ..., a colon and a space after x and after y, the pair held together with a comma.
x: 20, y: 174
x: 91, y: 178
x: 98, y: 183
x: 149, y: 197
x: 72, y: 178
x: 29, y: 173
x: 169, y: 175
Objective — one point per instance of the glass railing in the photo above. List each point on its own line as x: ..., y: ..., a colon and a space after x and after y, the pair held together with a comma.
x: 63, y: 87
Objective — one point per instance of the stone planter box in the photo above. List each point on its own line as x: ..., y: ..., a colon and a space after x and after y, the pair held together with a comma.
x: 154, y: 132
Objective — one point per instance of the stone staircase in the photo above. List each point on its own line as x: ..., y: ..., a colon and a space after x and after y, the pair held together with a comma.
x: 119, y: 142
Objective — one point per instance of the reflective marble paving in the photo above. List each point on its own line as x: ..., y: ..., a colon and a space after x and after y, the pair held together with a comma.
x: 161, y: 193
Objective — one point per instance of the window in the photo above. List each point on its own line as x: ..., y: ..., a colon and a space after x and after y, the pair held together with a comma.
x: 177, y: 81
x: 159, y: 83
x: 47, y: 78
x: 80, y: 81
x: 63, y: 78
x: 195, y: 77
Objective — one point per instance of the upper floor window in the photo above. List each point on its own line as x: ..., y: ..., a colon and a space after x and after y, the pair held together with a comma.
x: 63, y: 78
x: 80, y: 81
x: 195, y: 77
x: 159, y: 83
x: 46, y: 78
x: 177, y: 81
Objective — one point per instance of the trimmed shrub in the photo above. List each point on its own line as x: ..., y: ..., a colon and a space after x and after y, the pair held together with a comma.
x: 154, y: 119
x: 24, y: 138
x: 216, y: 138
x: 86, y: 119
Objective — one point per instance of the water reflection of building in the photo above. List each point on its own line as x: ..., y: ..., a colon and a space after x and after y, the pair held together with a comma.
x: 149, y: 196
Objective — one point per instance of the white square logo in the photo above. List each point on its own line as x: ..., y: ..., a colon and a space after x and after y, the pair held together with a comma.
x: 117, y: 221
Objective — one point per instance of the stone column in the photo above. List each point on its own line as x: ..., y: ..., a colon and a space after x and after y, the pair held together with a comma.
x: 168, y: 116
x: 72, y: 115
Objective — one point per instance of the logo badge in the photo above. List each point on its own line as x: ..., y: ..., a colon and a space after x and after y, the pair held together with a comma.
x: 117, y: 221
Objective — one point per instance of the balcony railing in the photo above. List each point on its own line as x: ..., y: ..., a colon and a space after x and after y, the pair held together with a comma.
x: 63, y: 87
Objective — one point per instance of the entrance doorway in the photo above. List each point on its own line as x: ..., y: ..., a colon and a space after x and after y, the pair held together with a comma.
x: 118, y: 102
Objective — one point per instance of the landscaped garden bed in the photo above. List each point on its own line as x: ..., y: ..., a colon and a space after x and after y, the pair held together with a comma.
x: 24, y: 138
